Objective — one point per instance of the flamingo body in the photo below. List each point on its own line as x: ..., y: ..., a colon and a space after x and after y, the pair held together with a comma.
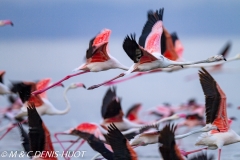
x: 217, y: 140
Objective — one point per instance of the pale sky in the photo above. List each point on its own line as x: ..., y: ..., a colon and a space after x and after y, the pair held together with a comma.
x: 54, y: 19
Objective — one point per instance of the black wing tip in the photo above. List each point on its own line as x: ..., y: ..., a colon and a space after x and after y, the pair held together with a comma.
x: 130, y: 37
x: 160, y: 13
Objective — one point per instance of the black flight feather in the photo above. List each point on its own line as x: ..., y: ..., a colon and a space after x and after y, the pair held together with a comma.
x: 212, y: 96
x: 25, y: 138
x: 22, y: 89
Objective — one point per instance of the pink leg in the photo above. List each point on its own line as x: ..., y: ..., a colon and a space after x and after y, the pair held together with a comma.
x: 82, y: 142
x: 10, y: 128
x: 60, y: 133
x: 125, y: 79
x: 98, y: 85
x: 219, y: 153
x: 190, y: 152
x: 131, y: 77
x: 57, y: 83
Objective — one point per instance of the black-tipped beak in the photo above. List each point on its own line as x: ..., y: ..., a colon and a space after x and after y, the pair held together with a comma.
x: 11, y: 24
x: 84, y: 86
x: 218, y: 130
x: 62, y: 85
x: 182, y: 66
x: 224, y: 59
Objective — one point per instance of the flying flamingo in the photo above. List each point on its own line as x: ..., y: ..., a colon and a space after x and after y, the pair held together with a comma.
x: 216, y: 68
x: 38, y: 139
x: 164, y: 110
x: 150, y: 57
x: 5, y: 22
x: 112, y: 113
x: 43, y: 105
x: 216, y: 113
x: 169, y: 149
x: 132, y: 113
x: 171, y: 48
x: 179, y: 49
x: 98, y: 58
x: 151, y: 137
x: 3, y: 88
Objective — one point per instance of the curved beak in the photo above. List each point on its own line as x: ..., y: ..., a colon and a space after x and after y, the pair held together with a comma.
x: 11, y: 24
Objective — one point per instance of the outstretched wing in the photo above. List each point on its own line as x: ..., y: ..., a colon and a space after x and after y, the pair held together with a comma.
x: 215, y: 100
x: 42, y: 84
x: 120, y: 145
x: 113, y: 109
x: 168, y: 147
x: 98, y: 47
x: 25, y: 138
x: 168, y: 49
x: 152, y: 31
x: 132, y: 112
x: 109, y: 96
x: 36, y: 130
x: 132, y: 49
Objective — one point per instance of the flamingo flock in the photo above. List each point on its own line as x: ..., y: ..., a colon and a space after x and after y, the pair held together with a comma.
x: 118, y: 133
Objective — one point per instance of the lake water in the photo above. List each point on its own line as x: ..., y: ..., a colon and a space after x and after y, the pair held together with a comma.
x: 36, y: 59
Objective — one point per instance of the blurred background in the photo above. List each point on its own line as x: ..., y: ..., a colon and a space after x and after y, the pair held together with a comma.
x: 50, y: 38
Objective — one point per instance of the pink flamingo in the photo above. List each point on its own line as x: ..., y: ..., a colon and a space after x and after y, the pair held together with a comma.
x: 42, y: 104
x: 5, y: 22
x: 150, y: 57
x: 169, y: 149
x: 112, y: 113
x: 218, y: 67
x: 98, y: 58
x: 164, y: 110
x: 216, y: 113
x: 166, y: 49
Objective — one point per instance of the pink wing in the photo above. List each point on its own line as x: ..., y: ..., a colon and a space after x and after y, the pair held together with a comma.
x: 102, y: 38
x: 42, y: 84
x: 152, y: 43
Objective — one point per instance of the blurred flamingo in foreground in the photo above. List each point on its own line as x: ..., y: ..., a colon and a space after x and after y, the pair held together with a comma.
x: 6, y: 22
x: 37, y: 143
x: 98, y: 59
x: 150, y: 57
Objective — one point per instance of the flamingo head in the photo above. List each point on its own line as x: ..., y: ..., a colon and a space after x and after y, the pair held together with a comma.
x: 6, y: 22
x: 76, y: 85
x: 216, y: 58
x: 238, y: 107
x: 209, y: 127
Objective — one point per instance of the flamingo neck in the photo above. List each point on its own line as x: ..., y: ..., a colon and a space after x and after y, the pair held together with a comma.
x: 187, y: 134
x: 67, y: 109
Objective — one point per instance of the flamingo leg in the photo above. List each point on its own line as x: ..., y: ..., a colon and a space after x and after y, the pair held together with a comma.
x: 190, y: 152
x: 125, y: 79
x: 82, y: 142
x: 56, y: 136
x: 9, y: 128
x: 219, y: 153
x: 98, y: 85
x: 57, y: 83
